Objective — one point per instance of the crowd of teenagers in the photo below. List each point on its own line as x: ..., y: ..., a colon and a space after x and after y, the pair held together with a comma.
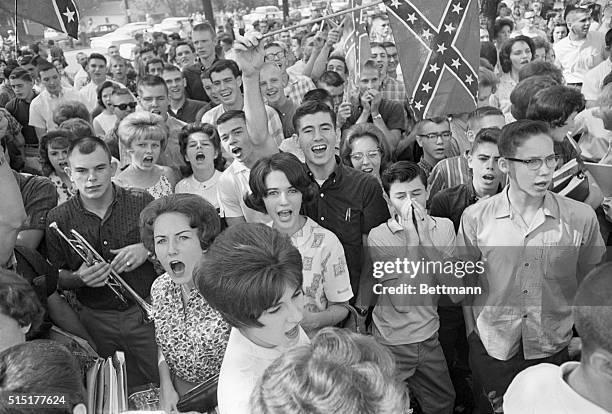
x: 261, y: 197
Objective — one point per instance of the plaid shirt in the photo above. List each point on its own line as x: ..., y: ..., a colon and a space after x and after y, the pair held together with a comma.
x: 393, y: 90
x: 297, y: 87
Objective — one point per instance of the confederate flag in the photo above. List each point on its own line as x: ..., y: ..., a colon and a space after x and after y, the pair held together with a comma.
x: 438, y: 45
x: 62, y: 15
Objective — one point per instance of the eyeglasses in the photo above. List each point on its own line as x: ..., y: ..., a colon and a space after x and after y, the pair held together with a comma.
x: 536, y: 163
x: 444, y: 135
x: 272, y: 56
x: 372, y: 155
x: 124, y: 106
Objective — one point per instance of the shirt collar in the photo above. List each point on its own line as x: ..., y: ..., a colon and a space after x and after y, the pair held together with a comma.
x: 395, y: 227
x: 118, y: 193
x: 336, y: 175
x: 502, y: 207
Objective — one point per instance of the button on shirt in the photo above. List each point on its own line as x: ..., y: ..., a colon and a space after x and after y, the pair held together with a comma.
x: 42, y: 107
x: 118, y: 228
x: 531, y: 272
x: 351, y: 205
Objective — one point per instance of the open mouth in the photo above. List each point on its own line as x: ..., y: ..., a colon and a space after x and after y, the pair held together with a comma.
x: 367, y: 170
x: 177, y: 266
x: 319, y: 149
x: 148, y: 159
x: 285, y: 215
x: 541, y: 184
x: 488, y: 177
x: 225, y: 94
x: 293, y: 333
x: 236, y: 151
x: 156, y: 111
x: 63, y: 164
x: 200, y: 156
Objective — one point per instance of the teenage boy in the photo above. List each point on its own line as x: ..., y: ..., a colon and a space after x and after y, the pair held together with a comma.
x: 433, y: 135
x: 107, y: 216
x: 22, y: 84
x: 180, y: 106
x: 453, y: 171
x: 252, y: 275
x: 574, y: 387
x: 408, y: 324
x: 523, y: 317
x: 348, y: 202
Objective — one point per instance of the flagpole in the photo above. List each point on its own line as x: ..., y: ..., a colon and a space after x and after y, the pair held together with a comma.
x: 16, y: 35
x: 318, y: 19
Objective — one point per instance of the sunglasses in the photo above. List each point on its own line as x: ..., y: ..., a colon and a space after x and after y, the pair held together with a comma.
x: 125, y: 106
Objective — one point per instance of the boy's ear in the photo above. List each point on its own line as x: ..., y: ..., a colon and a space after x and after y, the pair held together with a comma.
x: 504, y: 165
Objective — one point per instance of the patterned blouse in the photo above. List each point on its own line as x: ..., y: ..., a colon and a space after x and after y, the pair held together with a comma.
x: 161, y: 188
x: 192, y: 339
x: 63, y: 191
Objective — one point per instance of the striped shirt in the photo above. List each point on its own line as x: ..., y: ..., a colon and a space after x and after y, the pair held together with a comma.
x: 448, y: 173
x: 297, y: 88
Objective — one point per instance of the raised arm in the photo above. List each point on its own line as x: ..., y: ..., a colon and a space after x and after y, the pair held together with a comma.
x: 250, y: 58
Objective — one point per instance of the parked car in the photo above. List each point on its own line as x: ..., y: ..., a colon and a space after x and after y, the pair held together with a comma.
x: 103, y: 29
x: 52, y: 34
x: 171, y: 25
x: 124, y: 34
x: 269, y: 12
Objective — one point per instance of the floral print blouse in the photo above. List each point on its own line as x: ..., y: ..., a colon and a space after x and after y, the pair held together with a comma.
x: 193, y: 338
x: 63, y: 191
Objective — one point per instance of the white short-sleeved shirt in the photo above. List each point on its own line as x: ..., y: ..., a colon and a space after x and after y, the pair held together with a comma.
x: 325, y: 274
x: 275, y: 126
x: 243, y: 365
x: 591, y: 87
x: 205, y: 189
x: 543, y: 389
x: 42, y: 107
x: 233, y: 185
x: 104, y: 123
x: 576, y: 58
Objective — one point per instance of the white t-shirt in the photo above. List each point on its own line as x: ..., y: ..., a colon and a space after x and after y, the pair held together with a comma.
x: 543, y: 389
x: 104, y: 123
x: 243, y: 365
x: 232, y: 187
x: 42, y: 107
x: 205, y: 189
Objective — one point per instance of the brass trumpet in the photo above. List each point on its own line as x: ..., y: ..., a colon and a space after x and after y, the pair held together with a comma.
x: 115, y: 282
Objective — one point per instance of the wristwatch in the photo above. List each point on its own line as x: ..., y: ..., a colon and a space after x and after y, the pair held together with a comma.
x: 377, y: 116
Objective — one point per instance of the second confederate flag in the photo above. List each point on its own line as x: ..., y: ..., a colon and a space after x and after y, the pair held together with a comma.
x: 438, y: 45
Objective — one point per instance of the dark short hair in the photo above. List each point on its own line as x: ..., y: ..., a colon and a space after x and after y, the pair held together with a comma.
x: 172, y: 68
x: 524, y: 91
x: 185, y: 43
x: 222, y: 64
x: 40, y: 367
x: 87, y: 145
x: 96, y: 56
x: 148, y: 47
x: 366, y: 130
x: 500, y: 24
x: 229, y: 115
x: 62, y: 137
x: 506, y: 49
x: 608, y: 37
x: 104, y: 85
x: 286, y: 163
x: 150, y: 81
x: 213, y: 135
x: 154, y: 61
x: 483, y: 111
x: 540, y: 43
x: 246, y: 271
x: 341, y: 59
x: 20, y: 73
x: 18, y: 300
x: 43, y: 65
x: 486, y: 135
x: 489, y: 52
x: 319, y: 95
x: 199, y: 212
x: 516, y: 133
x: 555, y: 104
x: 593, y: 310
x: 402, y: 171
x: 70, y: 110
x: 541, y: 68
x: 331, y: 78
x: 311, y: 108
